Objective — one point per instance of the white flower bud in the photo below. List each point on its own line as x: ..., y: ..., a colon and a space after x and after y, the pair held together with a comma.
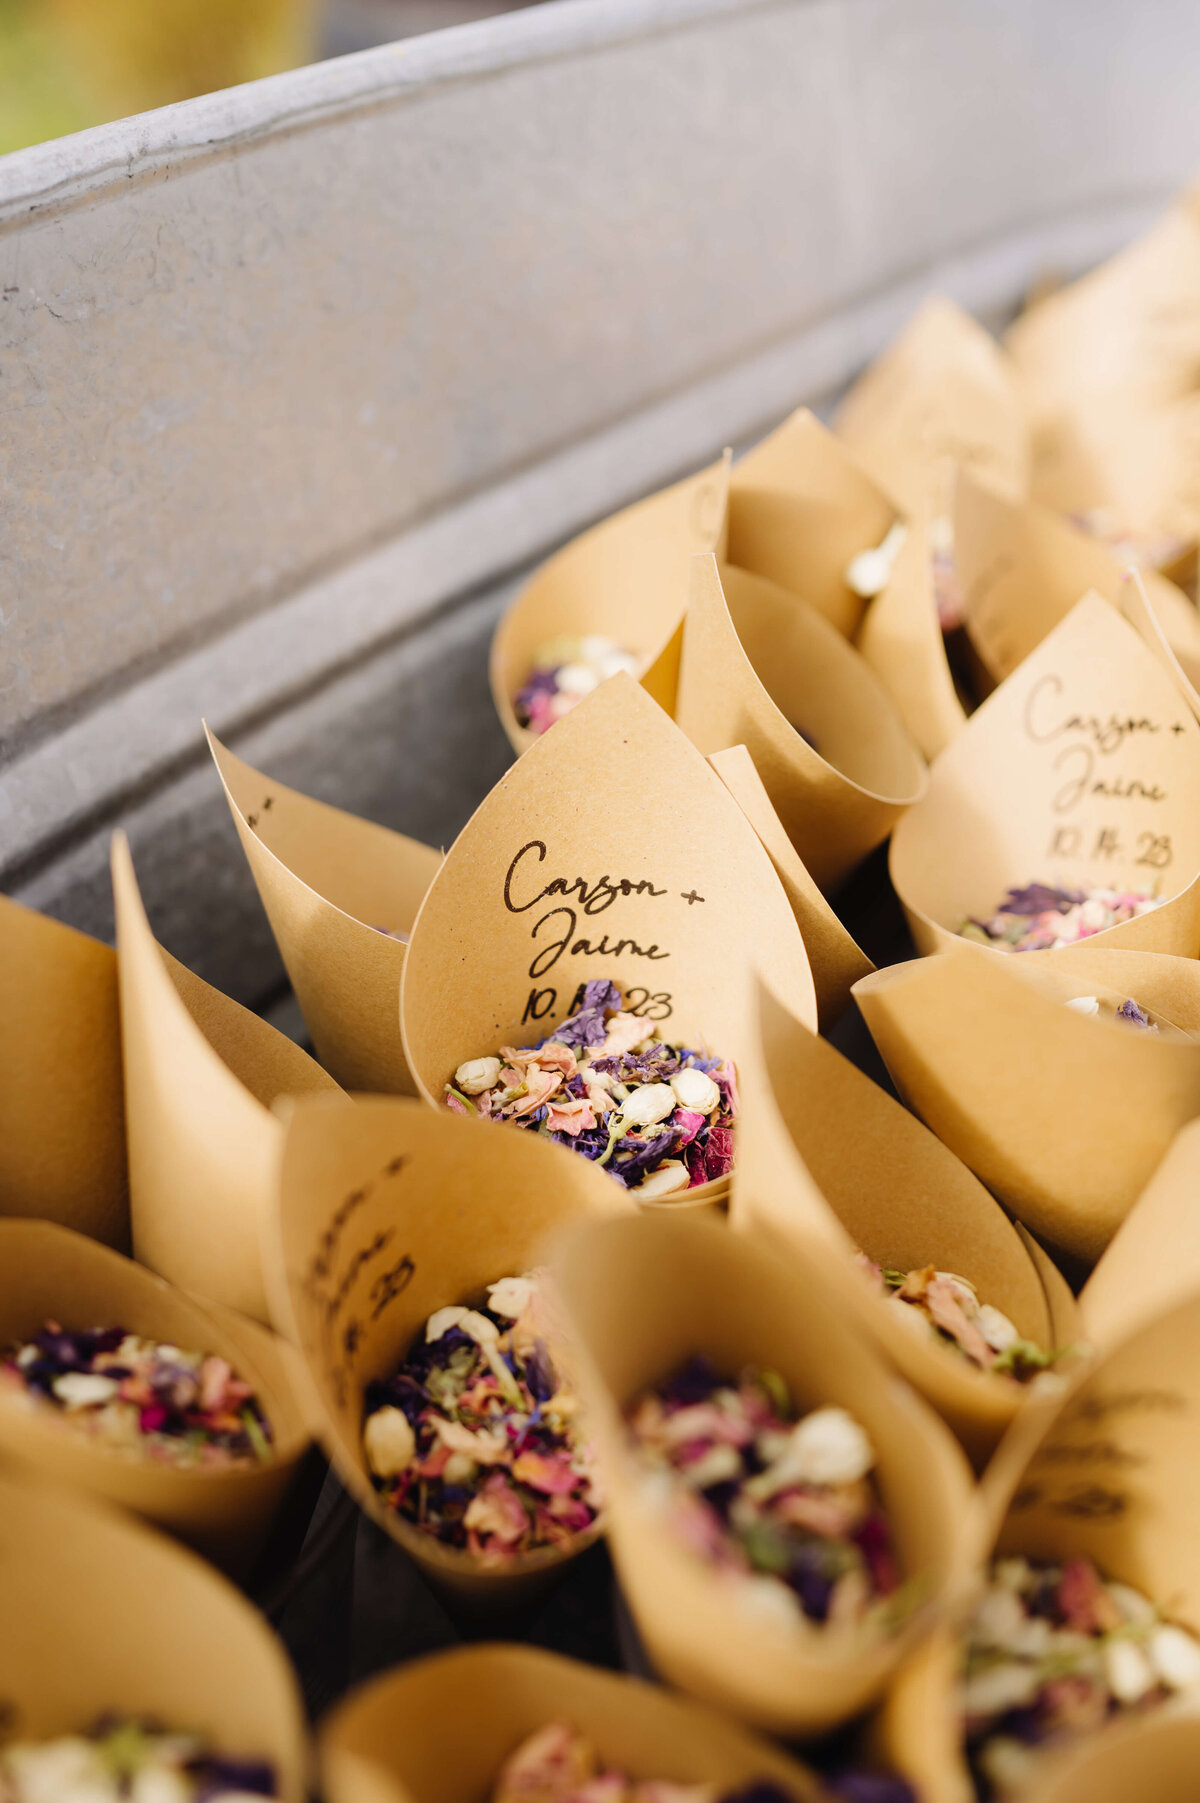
x: 1084, y: 1004
x: 389, y: 1442
x: 1128, y: 1671
x: 1175, y: 1656
x: 476, y: 1075
x: 869, y: 573
x: 577, y: 679
x: 443, y: 1319
x: 996, y: 1328
x: 696, y: 1090
x: 829, y: 1447
x: 670, y: 1179
x: 999, y: 1688
x: 648, y: 1104
x: 82, y: 1390
x: 510, y: 1297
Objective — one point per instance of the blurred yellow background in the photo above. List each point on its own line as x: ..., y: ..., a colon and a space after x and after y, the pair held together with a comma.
x: 67, y: 64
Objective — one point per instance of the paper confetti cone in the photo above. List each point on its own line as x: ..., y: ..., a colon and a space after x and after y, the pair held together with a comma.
x: 387, y: 1213
x: 201, y: 1076
x: 62, y: 1117
x: 642, y: 1296
x: 103, y: 1617
x: 341, y: 895
x: 611, y: 850
x: 624, y: 580
x: 762, y: 668
x: 398, y: 1738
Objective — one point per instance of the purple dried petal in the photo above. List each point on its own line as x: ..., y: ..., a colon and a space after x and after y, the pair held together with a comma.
x: 1130, y: 1011
x: 587, y: 1026
x: 1041, y: 898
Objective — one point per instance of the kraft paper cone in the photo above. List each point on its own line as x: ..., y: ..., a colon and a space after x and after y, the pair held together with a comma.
x: 62, y: 1118
x: 900, y: 637
x: 400, y: 1739
x: 1130, y: 328
x: 800, y: 509
x: 388, y: 1212
x: 49, y: 1273
x: 942, y: 395
x: 1082, y: 769
x: 1155, y: 1760
x: 1154, y: 1259
x: 626, y: 580
x: 837, y: 962
x: 643, y: 1295
x: 1062, y: 1116
x: 102, y: 1617
x: 832, y: 1165
x: 329, y: 883
x: 1021, y: 569
x: 201, y: 1075
x: 762, y: 668
x: 1178, y: 660
x: 1108, y: 1471
x: 610, y: 850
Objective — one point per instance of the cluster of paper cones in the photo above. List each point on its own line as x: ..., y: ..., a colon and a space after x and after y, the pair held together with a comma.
x: 959, y: 621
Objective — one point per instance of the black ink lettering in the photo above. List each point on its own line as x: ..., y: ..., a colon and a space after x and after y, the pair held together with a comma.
x: 549, y: 955
x: 540, y: 1003
x: 537, y: 845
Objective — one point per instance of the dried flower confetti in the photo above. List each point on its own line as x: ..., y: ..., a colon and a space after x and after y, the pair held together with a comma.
x: 474, y: 1438
x: 951, y: 1311
x: 658, y: 1117
x: 1145, y: 550
x: 1054, y: 1651
x: 564, y: 671
x: 141, y: 1397
x: 1041, y: 916
x: 129, y: 1759
x: 1128, y: 1011
x: 944, y: 570
x: 786, y: 1504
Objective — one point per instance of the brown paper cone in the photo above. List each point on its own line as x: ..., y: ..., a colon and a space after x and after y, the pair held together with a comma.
x: 941, y: 395
x: 643, y: 1295
x: 1178, y: 661
x: 1063, y: 1117
x: 900, y: 637
x: 837, y: 962
x: 1155, y: 1760
x: 625, y: 579
x: 610, y: 850
x: 62, y: 1120
x: 800, y: 508
x: 1082, y: 769
x: 1130, y: 328
x: 388, y: 1212
x: 831, y: 1165
x: 400, y: 1739
x: 329, y: 882
x: 49, y: 1273
x: 1154, y: 1259
x: 1022, y: 569
x: 201, y: 1075
x: 1107, y: 1471
x: 102, y: 1617
x: 760, y: 668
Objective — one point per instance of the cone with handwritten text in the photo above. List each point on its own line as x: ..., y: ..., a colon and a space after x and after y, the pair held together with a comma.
x: 1063, y: 1114
x: 763, y: 668
x: 1082, y: 771
x: 341, y: 895
x: 48, y: 1273
x: 802, y: 510
x: 831, y: 1165
x: 624, y: 583
x: 610, y: 851
x: 201, y: 1077
x: 387, y: 1213
x: 62, y: 1118
x: 105, y: 1619
x: 1106, y: 1470
x: 398, y: 1737
x: 642, y: 1297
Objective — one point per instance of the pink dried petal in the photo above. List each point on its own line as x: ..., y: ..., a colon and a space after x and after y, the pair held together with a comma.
x: 497, y: 1513
x: 551, y: 1473
x: 572, y: 1116
x: 947, y: 1313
